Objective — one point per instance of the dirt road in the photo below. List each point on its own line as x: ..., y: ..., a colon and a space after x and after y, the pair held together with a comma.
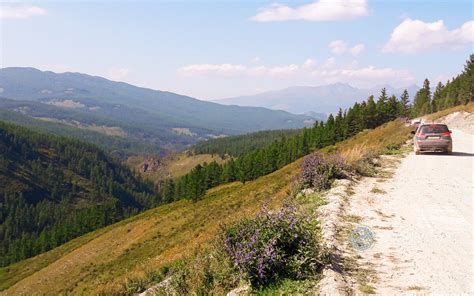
x: 422, y: 218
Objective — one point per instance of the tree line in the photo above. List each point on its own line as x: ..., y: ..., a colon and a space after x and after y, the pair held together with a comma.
x: 241, y: 144
x: 459, y: 90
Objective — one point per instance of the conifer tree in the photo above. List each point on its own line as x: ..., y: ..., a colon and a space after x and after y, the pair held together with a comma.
x: 381, y: 107
x: 393, y: 108
x: 405, y: 103
x: 422, y: 102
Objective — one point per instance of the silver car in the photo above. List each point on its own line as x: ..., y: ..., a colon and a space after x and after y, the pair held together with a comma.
x: 433, y: 137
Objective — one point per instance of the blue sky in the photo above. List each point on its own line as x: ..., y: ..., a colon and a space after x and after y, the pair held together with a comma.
x: 218, y: 49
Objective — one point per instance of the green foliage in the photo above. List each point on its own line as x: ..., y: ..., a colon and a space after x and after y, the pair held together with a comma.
x: 422, y: 102
x: 53, y: 189
x: 459, y: 91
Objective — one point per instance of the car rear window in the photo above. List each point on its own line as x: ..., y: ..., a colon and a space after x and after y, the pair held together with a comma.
x: 434, y: 129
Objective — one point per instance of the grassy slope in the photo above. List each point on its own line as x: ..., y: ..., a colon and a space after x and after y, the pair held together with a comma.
x: 102, y: 260
x: 467, y: 108
x: 183, y: 164
x: 376, y: 142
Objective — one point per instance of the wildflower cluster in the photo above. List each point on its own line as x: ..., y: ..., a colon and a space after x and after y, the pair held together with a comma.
x: 318, y: 171
x: 274, y: 246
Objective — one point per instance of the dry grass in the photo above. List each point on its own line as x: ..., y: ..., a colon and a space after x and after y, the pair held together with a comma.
x: 172, y: 166
x: 467, y: 108
x: 372, y: 142
x: 377, y: 190
x: 415, y: 288
x: 181, y: 164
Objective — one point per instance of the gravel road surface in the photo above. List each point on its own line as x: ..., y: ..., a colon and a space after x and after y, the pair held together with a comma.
x: 423, y: 222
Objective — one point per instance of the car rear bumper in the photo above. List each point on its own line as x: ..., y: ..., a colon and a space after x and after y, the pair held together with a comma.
x: 434, y: 146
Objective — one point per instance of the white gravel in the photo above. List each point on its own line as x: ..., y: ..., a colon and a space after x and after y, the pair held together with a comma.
x: 423, y: 223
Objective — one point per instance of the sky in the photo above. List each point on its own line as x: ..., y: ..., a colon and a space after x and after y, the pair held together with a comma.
x: 219, y: 49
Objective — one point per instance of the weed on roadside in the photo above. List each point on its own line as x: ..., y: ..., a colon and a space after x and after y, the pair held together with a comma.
x: 378, y: 191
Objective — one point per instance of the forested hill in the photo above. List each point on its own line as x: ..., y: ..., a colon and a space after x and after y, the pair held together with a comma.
x: 53, y: 189
x: 238, y: 145
x: 155, y: 117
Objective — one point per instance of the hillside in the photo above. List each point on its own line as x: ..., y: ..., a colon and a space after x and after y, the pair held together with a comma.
x: 53, y: 189
x: 156, y: 117
x: 172, y: 166
x: 118, y: 145
x: 317, y: 101
x: 103, y: 260
x: 238, y: 145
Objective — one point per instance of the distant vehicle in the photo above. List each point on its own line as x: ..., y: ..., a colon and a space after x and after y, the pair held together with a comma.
x: 415, y: 124
x: 433, y: 137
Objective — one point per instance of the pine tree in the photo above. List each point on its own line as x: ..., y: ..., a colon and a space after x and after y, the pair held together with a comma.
x: 381, y: 107
x: 422, y: 102
x: 436, y: 103
x: 393, y: 108
x: 405, y: 104
x: 370, y: 113
x: 469, y: 80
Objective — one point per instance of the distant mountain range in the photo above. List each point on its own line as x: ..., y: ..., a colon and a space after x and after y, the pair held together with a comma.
x: 314, y: 101
x: 96, y: 105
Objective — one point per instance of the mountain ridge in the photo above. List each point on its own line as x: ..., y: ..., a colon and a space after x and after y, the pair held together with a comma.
x: 153, y: 116
x: 322, y: 99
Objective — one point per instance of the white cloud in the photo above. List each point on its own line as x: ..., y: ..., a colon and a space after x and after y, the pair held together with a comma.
x: 364, y: 76
x: 338, y: 46
x: 322, y: 10
x: 283, y: 70
x: 255, y: 60
x: 216, y: 69
x: 117, y: 73
x: 20, y: 11
x: 236, y: 70
x: 329, y: 63
x: 413, y: 36
x: 305, y: 73
x: 341, y: 47
x: 357, y: 49
x: 309, y: 63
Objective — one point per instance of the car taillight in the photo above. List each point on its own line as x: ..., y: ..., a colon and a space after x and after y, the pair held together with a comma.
x: 421, y: 135
x: 446, y: 134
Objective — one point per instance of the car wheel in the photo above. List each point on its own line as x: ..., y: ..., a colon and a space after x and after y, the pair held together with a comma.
x: 417, y: 152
